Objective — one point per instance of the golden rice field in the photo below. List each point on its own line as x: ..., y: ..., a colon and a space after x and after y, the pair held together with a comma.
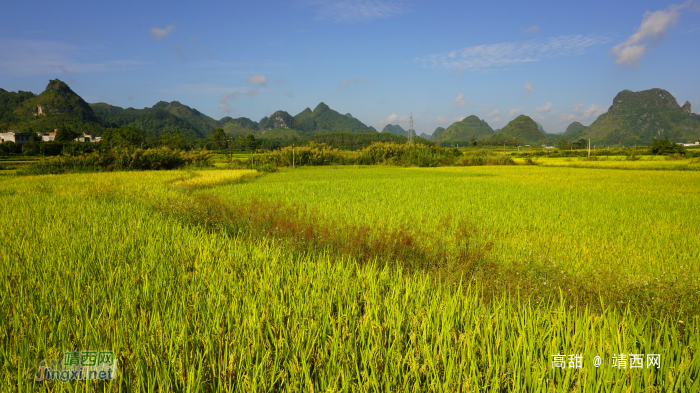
x: 344, y: 279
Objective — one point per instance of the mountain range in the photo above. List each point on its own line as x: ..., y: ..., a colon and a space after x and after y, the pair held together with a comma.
x: 633, y: 118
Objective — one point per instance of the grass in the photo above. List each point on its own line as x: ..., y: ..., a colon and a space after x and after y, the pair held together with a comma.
x: 184, y: 276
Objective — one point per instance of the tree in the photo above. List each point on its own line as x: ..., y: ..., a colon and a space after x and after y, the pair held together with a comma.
x: 251, y: 143
x: 664, y: 146
x: 65, y: 134
x: 219, y: 137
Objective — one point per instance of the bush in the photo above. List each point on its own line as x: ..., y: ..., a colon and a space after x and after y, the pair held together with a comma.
x: 120, y: 160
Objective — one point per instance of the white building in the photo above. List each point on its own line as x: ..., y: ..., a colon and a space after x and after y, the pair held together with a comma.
x: 689, y: 144
x: 15, y: 136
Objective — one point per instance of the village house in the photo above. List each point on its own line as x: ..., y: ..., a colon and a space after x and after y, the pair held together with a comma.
x: 15, y: 136
x: 689, y: 144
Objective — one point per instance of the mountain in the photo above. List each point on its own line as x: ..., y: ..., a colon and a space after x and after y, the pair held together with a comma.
x: 198, y: 120
x: 9, y: 101
x: 639, y: 117
x: 522, y: 128
x: 394, y: 129
x: 539, y: 127
x: 280, y: 119
x: 55, y: 106
x: 305, y: 120
x: 436, y: 134
x: 469, y: 127
x: 328, y: 120
x: 240, y: 126
x: 153, y: 121
x: 574, y: 131
x: 424, y: 135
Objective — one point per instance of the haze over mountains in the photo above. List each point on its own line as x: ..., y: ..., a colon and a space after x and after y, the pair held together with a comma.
x: 633, y: 118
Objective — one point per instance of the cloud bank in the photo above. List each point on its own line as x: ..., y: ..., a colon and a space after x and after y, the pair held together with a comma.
x: 511, y: 53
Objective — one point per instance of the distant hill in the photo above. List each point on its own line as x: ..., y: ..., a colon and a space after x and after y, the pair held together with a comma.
x: 279, y: 119
x: 541, y: 128
x: 639, y: 117
x: 394, y: 129
x: 436, y: 134
x: 305, y: 120
x: 328, y: 120
x: 522, y: 128
x: 55, y: 106
x: 153, y: 121
x: 574, y: 131
x: 469, y: 127
x: 9, y: 101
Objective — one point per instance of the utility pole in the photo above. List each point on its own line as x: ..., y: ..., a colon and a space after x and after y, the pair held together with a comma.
x: 504, y: 147
x: 293, y: 156
x: 230, y: 150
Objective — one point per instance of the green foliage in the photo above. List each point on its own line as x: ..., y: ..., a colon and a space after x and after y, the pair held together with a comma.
x: 484, y: 158
x: 377, y: 153
x: 352, y: 140
x: 665, y: 147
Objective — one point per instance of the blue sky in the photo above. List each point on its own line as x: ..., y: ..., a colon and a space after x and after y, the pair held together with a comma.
x: 558, y: 61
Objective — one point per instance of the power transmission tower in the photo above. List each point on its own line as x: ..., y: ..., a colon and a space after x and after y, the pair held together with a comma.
x: 411, y: 133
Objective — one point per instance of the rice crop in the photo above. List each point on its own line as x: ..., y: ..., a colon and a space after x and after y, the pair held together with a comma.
x: 141, y: 263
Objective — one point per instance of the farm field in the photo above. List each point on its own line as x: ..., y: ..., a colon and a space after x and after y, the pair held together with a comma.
x: 620, y: 162
x: 354, y: 278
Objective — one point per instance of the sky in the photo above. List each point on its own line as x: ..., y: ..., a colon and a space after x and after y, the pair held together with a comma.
x: 379, y: 60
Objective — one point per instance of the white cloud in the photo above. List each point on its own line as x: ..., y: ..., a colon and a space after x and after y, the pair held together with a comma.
x: 257, y: 79
x: 159, y: 34
x: 389, y: 120
x: 494, y: 113
x: 582, y: 113
x: 496, y: 120
x: 532, y: 29
x: 507, y: 53
x: 529, y: 88
x: 546, y: 108
x: 36, y: 57
x: 445, y: 120
x: 653, y: 28
x: 514, y: 112
x: 232, y: 95
x: 348, y: 81
x: 425, y: 112
x: 348, y: 11
x: 460, y: 100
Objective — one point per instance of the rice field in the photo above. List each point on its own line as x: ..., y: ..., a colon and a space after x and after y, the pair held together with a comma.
x: 181, y: 275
